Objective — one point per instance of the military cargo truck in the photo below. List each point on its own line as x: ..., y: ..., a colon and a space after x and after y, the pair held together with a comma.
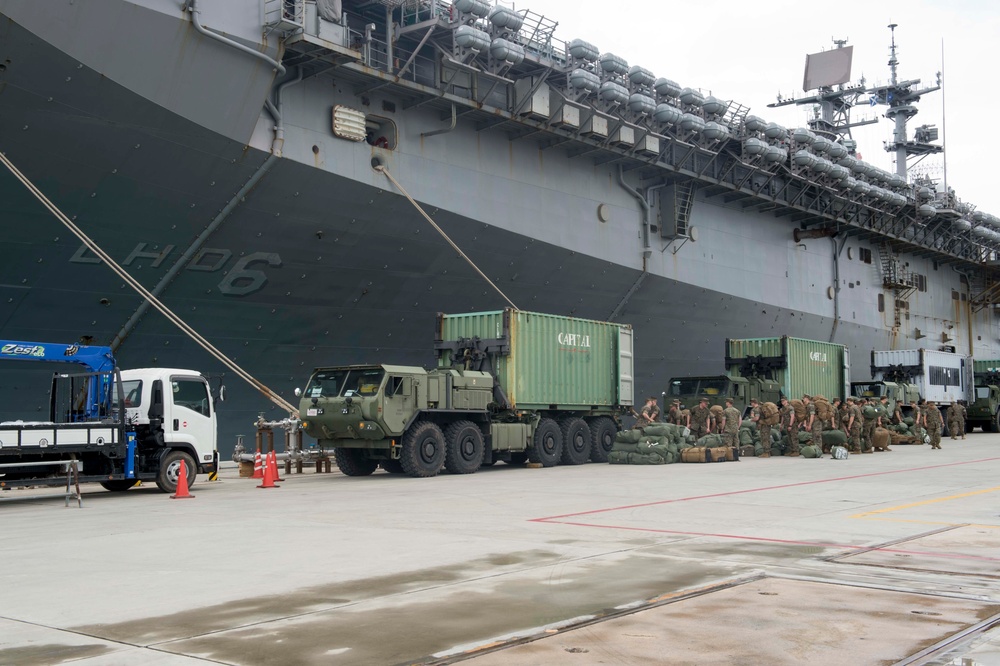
x: 767, y: 369
x: 509, y: 385
x: 984, y: 406
x: 905, y: 376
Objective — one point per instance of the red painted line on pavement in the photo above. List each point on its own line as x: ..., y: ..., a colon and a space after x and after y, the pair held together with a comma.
x: 750, y: 490
x: 790, y: 542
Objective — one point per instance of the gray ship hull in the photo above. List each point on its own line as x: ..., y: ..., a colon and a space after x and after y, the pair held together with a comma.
x: 322, y: 262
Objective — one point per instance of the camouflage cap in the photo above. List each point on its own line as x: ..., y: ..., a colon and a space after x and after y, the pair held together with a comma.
x: 729, y: 400
x: 806, y: 396
x: 676, y: 401
x: 754, y: 401
x: 702, y: 399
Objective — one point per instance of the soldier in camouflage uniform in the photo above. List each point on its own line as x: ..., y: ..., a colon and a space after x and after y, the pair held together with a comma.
x: 730, y: 424
x: 869, y: 423
x: 649, y: 415
x: 888, y: 416
x: 932, y: 417
x: 953, y: 416
x: 790, y: 426
x: 763, y: 431
x: 699, y: 419
x: 853, y: 424
x: 674, y: 414
x: 963, y: 414
x: 814, y: 423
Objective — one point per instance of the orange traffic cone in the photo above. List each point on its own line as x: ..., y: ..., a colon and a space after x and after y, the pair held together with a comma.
x: 268, y: 478
x: 182, y: 491
x: 258, y: 468
x: 272, y: 460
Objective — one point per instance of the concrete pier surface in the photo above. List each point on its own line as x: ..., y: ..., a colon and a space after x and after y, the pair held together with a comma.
x: 885, y: 558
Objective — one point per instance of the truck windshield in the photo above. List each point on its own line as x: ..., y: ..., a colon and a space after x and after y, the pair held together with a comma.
x: 867, y: 390
x: 982, y: 392
x: 708, y: 386
x: 344, y: 383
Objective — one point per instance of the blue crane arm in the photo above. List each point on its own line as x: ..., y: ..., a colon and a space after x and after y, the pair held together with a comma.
x: 94, y: 358
x: 94, y: 402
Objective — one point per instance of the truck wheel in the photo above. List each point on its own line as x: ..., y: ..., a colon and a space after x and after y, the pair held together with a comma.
x: 602, y: 432
x: 994, y: 424
x: 576, y: 441
x: 392, y: 466
x: 119, y: 485
x: 170, y: 469
x: 423, y: 450
x: 464, y: 454
x: 352, y: 462
x: 547, y: 445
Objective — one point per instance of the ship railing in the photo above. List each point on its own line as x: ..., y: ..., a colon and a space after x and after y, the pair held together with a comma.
x: 419, y: 69
x: 285, y: 15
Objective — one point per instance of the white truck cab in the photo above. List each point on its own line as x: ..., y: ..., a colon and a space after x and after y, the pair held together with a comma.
x: 174, y: 404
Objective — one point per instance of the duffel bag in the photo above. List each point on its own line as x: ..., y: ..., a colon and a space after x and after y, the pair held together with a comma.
x: 695, y: 454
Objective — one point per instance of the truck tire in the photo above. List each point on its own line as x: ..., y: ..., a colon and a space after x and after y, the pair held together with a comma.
x: 994, y: 424
x: 166, y: 478
x: 547, y: 445
x: 576, y: 441
x: 392, y: 466
x: 352, y: 462
x: 119, y: 485
x: 464, y: 453
x: 602, y: 433
x: 423, y: 450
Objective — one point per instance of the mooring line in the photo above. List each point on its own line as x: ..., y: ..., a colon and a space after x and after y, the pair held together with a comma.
x: 145, y: 293
x: 381, y: 169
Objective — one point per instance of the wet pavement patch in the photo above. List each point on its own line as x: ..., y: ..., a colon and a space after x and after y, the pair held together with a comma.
x: 407, y: 628
x: 255, y: 610
x: 968, y: 550
x: 53, y: 653
x: 767, y: 621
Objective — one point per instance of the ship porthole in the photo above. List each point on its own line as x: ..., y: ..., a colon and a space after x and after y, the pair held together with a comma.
x: 378, y: 161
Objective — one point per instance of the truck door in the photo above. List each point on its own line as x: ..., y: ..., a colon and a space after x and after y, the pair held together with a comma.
x: 398, y: 402
x: 190, y: 416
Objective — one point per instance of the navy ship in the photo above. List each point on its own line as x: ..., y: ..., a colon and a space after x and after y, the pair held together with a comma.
x: 234, y: 157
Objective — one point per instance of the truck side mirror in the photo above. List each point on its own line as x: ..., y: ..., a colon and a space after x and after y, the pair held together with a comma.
x: 156, y: 400
x: 297, y: 392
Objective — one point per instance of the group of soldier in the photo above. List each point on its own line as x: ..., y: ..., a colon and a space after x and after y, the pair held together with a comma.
x: 846, y: 415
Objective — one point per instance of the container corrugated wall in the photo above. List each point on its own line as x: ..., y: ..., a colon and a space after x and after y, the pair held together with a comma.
x: 564, y: 361
x: 991, y: 366
x: 812, y: 367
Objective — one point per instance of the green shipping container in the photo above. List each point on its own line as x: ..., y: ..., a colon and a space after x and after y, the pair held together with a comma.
x: 800, y: 366
x: 543, y: 361
x: 991, y: 366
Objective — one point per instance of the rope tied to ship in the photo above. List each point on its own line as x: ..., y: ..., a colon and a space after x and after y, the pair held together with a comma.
x: 142, y: 291
x: 381, y: 169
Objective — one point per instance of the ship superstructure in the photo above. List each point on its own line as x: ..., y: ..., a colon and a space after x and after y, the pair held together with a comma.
x: 226, y: 154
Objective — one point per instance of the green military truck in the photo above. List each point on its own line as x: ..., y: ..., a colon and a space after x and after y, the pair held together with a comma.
x: 767, y: 369
x: 984, y: 409
x: 510, y: 385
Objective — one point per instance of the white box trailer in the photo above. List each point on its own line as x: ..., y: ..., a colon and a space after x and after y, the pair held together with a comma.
x: 941, y: 377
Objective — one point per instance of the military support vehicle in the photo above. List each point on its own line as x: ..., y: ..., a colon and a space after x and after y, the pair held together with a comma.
x: 511, y: 385
x: 767, y: 369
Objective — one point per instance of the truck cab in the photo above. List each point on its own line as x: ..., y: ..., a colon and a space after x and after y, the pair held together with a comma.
x: 984, y: 411
x: 689, y: 390
x: 400, y: 417
x: 901, y: 395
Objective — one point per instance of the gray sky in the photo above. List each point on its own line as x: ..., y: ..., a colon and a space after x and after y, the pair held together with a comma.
x: 748, y: 51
